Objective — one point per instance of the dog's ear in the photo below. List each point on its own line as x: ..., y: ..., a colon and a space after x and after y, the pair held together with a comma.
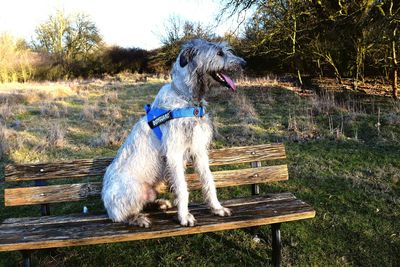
x: 186, y: 56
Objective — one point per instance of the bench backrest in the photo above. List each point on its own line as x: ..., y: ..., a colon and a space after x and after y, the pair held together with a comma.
x: 68, y: 189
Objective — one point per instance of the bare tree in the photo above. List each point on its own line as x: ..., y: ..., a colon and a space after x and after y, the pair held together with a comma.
x: 68, y: 39
x: 176, y: 33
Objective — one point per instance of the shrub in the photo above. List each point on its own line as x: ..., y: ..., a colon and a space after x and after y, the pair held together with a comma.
x: 16, y: 60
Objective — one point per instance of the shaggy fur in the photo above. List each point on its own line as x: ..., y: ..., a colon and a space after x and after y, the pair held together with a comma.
x: 143, y: 161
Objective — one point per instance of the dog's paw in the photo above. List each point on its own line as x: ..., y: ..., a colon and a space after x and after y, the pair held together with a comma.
x: 163, y: 204
x: 140, y: 220
x: 222, y: 211
x: 187, y: 220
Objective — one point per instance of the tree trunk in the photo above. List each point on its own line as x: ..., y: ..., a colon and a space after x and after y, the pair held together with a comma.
x: 395, y: 66
x: 300, y: 79
x: 360, y: 59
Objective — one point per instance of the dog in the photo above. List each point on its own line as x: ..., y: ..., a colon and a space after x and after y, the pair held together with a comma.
x: 159, y: 148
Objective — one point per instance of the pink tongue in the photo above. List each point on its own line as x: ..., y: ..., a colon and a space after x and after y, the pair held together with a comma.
x: 230, y: 82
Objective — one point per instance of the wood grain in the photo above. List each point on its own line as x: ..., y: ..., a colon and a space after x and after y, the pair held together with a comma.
x: 82, y: 191
x: 74, y: 218
x: 97, y: 167
x: 246, y: 213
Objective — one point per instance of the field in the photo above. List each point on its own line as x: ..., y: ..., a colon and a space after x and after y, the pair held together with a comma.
x: 343, y: 154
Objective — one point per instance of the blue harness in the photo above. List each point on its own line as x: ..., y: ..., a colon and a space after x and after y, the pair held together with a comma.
x: 158, y: 116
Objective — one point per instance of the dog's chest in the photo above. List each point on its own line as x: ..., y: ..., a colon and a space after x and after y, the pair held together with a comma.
x: 199, y: 125
x: 193, y: 129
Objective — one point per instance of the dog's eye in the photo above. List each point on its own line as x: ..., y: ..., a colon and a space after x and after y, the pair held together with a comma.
x: 220, y: 53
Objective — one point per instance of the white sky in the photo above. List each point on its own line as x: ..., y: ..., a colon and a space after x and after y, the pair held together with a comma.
x: 121, y: 22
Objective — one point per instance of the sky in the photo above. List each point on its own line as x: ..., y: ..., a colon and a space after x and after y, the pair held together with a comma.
x: 121, y: 22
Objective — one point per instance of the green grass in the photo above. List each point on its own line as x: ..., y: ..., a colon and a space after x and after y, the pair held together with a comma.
x: 339, y: 162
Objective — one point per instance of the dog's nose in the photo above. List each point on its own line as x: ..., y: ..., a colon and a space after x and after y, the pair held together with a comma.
x: 243, y: 63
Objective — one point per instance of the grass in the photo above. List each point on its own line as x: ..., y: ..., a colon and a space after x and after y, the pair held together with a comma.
x: 343, y: 156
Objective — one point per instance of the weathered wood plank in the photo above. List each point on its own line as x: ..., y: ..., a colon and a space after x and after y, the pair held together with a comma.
x: 268, y: 199
x: 82, y: 191
x: 247, y: 214
x: 97, y: 167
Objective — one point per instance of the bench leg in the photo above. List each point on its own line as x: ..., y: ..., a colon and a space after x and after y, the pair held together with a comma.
x: 276, y: 244
x: 44, y: 209
x: 27, y: 258
x: 255, y: 189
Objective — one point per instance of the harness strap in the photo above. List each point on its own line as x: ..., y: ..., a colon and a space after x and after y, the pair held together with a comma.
x: 158, y: 116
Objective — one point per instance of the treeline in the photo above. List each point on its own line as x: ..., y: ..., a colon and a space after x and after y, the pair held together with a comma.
x: 338, y: 38
x: 20, y: 62
x: 66, y: 47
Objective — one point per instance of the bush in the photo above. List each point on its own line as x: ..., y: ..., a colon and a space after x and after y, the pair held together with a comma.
x: 16, y: 60
x: 118, y: 59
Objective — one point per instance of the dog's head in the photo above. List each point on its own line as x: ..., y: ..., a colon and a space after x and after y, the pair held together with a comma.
x: 208, y: 64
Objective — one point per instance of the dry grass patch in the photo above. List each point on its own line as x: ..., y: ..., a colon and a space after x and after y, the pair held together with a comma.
x: 112, y: 112
x: 110, y: 97
x: 31, y: 93
x: 244, y: 109
x: 269, y: 80
x: 55, y: 136
x: 111, y: 135
x: 89, y: 111
x: 55, y: 110
x: 12, y: 98
x: 5, y: 111
x: 4, y: 147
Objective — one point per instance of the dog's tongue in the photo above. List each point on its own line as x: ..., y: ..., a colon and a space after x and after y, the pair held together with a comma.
x: 231, y: 84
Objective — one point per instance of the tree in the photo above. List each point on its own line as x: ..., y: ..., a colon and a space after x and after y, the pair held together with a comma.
x: 16, y: 60
x: 277, y: 30
x: 176, y: 33
x: 50, y: 36
x: 69, y: 40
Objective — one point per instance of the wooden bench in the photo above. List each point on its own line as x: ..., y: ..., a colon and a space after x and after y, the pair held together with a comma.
x: 53, y: 231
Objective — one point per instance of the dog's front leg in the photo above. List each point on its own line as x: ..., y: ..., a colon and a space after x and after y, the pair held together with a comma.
x: 176, y: 170
x: 207, y: 179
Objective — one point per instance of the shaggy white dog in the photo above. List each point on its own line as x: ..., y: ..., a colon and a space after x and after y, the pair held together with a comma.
x: 145, y: 159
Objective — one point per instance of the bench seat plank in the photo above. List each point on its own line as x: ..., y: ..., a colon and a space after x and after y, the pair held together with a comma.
x: 81, y: 191
x: 71, y: 218
x: 76, y: 230
x: 97, y: 167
